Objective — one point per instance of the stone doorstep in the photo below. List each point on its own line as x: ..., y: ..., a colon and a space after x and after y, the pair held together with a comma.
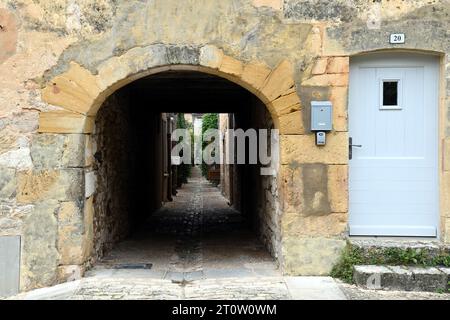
x: 402, y: 278
x: 431, y: 246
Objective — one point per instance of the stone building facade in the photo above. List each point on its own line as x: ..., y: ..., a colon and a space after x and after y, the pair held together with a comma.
x: 62, y: 59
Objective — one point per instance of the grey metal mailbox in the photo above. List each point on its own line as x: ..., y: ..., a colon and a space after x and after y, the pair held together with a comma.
x: 321, y: 116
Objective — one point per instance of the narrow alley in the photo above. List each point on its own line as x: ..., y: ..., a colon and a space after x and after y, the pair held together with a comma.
x: 196, y: 247
x: 196, y: 236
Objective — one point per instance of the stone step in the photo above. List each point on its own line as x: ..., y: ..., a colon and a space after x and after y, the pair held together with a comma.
x: 403, y: 278
x: 431, y: 248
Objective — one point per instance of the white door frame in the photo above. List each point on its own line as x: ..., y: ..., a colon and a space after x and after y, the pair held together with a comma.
x: 400, y: 59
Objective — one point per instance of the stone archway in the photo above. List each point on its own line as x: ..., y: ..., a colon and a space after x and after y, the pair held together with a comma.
x: 79, y: 94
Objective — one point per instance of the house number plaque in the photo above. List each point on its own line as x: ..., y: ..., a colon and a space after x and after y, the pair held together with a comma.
x: 396, y: 38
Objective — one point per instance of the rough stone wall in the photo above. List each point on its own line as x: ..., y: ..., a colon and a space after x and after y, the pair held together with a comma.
x: 114, y: 169
x: 266, y: 200
x: 95, y: 45
x: 255, y: 195
x: 41, y: 175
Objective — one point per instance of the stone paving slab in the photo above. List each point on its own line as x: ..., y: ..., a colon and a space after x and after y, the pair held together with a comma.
x: 352, y: 292
x: 431, y: 246
x: 126, y: 273
x: 227, y: 273
x: 314, y: 288
x: 447, y: 272
x: 61, y: 291
x: 238, y: 289
x: 401, y: 278
x: 194, y: 275
x: 174, y: 276
x: 428, y: 279
x: 127, y: 289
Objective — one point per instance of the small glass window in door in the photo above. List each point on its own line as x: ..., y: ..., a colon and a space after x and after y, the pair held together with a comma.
x: 390, y: 90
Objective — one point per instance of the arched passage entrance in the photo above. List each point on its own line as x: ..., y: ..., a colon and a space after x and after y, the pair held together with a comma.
x: 179, y: 227
x: 81, y: 94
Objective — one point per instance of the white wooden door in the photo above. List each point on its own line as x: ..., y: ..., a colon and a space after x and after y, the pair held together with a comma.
x: 393, y: 115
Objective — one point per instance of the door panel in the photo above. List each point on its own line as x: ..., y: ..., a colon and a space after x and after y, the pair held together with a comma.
x: 393, y: 177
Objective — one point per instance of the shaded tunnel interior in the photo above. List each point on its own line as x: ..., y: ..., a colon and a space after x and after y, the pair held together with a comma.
x: 132, y: 159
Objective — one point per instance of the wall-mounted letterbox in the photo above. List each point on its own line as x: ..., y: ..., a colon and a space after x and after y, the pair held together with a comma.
x: 321, y: 116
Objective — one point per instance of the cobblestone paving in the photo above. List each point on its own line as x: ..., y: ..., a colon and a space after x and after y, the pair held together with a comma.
x: 198, y: 248
x: 198, y: 235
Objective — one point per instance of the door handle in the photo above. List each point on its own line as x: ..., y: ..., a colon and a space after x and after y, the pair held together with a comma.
x: 350, y: 147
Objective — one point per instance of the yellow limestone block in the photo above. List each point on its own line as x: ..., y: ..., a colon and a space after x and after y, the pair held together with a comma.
x: 231, y: 66
x: 286, y: 104
x: 338, y: 65
x: 291, y: 123
x: 65, y: 122
x: 255, y: 75
x: 74, y: 90
x: 279, y: 81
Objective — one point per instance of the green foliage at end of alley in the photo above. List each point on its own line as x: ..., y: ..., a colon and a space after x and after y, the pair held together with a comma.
x: 210, y: 121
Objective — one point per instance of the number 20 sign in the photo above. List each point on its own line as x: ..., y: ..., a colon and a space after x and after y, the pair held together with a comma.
x: 397, y: 38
